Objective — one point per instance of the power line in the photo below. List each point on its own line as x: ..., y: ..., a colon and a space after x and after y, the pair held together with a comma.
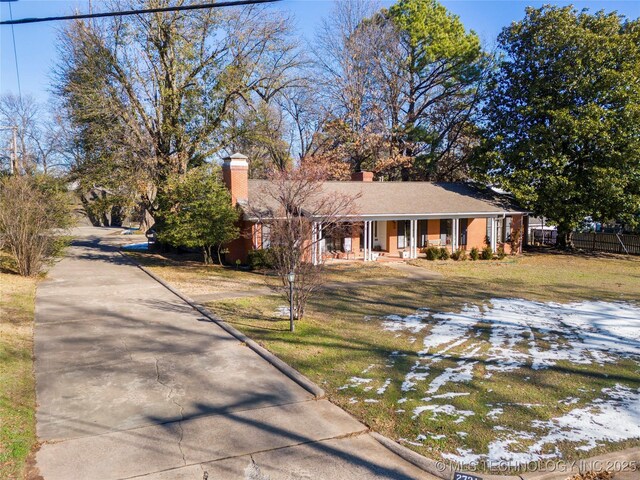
x: 15, y: 51
x: 135, y: 12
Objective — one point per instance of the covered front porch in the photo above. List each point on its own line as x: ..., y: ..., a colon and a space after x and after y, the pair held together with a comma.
x: 405, y: 238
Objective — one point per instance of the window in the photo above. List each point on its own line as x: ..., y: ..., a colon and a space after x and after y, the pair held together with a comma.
x: 506, y: 232
x: 423, y: 239
x: 266, y: 236
x: 446, y: 228
x: 462, y: 234
x: 403, y: 226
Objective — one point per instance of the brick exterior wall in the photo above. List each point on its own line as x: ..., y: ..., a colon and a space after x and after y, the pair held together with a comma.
x: 433, y: 231
x: 476, y: 233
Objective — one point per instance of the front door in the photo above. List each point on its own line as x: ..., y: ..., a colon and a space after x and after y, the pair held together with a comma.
x: 403, y: 228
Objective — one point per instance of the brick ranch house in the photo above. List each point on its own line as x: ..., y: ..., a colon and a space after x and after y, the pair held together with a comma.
x: 395, y: 219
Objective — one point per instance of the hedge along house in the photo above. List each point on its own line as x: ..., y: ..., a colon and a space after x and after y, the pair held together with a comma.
x: 394, y: 219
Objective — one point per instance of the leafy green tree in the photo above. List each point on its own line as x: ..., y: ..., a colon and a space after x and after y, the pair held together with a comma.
x: 404, y: 85
x: 196, y: 211
x: 563, y: 130
x: 442, y: 67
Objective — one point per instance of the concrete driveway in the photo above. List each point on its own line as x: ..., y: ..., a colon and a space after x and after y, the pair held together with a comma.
x: 132, y: 382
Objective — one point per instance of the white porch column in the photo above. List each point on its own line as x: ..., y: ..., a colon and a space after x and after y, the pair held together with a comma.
x: 314, y: 243
x: 493, y: 234
x: 364, y: 239
x: 414, y: 235
x: 455, y: 234
x: 370, y: 240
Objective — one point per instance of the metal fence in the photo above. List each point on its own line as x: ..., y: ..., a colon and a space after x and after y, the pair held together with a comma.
x: 608, y: 242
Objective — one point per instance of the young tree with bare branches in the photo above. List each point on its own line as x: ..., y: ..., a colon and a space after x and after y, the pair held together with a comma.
x: 294, y: 204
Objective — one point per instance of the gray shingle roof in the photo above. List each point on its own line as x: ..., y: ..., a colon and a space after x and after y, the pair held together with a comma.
x: 410, y: 198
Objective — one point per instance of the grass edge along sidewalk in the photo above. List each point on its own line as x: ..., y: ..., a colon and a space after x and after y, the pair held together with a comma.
x: 17, y: 381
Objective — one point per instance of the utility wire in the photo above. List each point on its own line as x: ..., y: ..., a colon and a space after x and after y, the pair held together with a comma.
x: 134, y: 12
x: 15, y: 51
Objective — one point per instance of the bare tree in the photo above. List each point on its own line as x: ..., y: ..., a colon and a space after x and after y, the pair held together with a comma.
x: 32, y: 211
x: 296, y: 206
x: 22, y: 112
x: 153, y: 92
x: 343, y: 49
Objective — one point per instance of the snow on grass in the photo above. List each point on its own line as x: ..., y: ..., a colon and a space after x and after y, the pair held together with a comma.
x: 412, y: 323
x: 581, y: 333
x: 443, y: 409
x: 356, y: 382
x: 462, y: 373
x: 495, y: 413
x: 613, y: 419
x: 384, y: 387
x: 525, y: 334
x: 452, y: 330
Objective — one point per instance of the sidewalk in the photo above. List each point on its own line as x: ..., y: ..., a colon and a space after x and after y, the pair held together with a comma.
x: 134, y: 383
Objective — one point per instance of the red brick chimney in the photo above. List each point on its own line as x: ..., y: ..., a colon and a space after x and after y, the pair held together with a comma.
x: 362, y: 177
x: 235, y: 173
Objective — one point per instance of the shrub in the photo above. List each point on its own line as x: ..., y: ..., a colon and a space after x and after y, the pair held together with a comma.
x: 443, y: 254
x: 196, y: 212
x: 474, y: 254
x: 459, y: 255
x: 261, y: 258
x: 33, y: 211
x: 433, y: 253
x: 487, y: 253
x: 500, y: 252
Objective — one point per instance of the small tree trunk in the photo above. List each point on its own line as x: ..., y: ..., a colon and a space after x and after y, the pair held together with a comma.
x: 147, y: 221
x: 565, y: 237
x: 206, y: 253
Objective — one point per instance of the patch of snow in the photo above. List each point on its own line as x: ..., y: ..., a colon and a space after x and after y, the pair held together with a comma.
x: 444, y: 409
x: 413, y: 323
x: 614, y: 419
x: 452, y: 330
x: 465, y: 456
x: 495, y: 413
x: 366, y: 370
x: 384, y: 387
x: 282, y: 311
x: 355, y: 382
x: 462, y: 373
x: 371, y: 400
x: 451, y: 395
x: 416, y: 444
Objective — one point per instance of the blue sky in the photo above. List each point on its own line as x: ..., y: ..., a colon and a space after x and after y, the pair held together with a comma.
x: 36, y: 42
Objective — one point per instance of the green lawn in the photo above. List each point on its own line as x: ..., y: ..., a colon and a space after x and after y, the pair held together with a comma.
x: 17, y: 384
x: 343, y: 346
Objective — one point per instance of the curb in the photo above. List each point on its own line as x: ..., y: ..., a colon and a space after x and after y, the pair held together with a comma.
x: 437, y: 469
x: 289, y: 371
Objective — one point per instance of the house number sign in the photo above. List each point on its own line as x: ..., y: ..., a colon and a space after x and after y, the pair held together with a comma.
x: 465, y: 476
